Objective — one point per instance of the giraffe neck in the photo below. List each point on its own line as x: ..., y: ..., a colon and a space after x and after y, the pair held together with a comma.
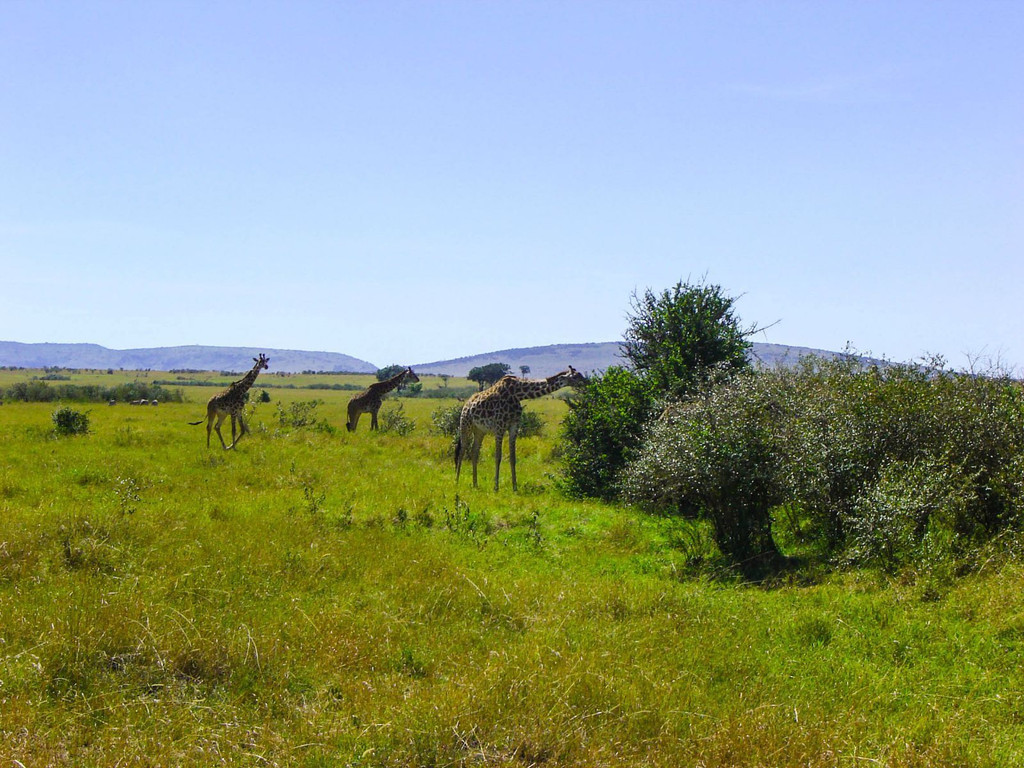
x: 528, y: 389
x: 387, y: 385
x: 243, y: 384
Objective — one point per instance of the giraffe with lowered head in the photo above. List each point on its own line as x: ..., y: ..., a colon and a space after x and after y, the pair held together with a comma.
x: 231, y: 402
x: 498, y: 410
x: 371, y: 398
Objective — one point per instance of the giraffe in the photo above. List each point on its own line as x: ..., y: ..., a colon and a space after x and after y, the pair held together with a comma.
x: 231, y: 402
x: 370, y: 399
x: 497, y: 410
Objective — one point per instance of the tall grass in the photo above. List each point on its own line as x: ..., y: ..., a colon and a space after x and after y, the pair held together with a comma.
x: 317, y: 597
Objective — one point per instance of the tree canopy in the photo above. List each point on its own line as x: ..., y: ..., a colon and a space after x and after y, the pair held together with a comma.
x: 485, y: 375
x: 685, y: 337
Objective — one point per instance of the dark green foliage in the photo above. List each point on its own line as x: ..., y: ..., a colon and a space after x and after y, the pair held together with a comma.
x: 68, y: 421
x: 264, y: 396
x: 485, y: 375
x: 603, y: 429
x: 389, y: 371
x: 685, y: 337
x: 531, y: 424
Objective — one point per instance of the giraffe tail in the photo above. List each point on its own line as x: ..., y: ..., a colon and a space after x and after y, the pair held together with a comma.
x: 458, y: 451
x: 194, y: 423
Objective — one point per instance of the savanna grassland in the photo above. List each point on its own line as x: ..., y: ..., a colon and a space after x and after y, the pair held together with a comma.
x: 323, y: 598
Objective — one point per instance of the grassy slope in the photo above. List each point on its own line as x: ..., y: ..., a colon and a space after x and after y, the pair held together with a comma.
x: 319, y: 598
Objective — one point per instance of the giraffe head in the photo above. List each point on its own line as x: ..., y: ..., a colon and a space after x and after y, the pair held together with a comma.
x: 410, y: 376
x: 262, y: 362
x: 569, y: 378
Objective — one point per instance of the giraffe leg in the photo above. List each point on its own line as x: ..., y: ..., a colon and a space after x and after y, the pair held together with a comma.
x: 220, y: 420
x: 461, y: 446
x: 243, y: 429
x: 477, y: 443
x: 498, y: 437
x: 209, y: 428
x: 468, y: 447
x: 373, y: 418
x: 512, y: 453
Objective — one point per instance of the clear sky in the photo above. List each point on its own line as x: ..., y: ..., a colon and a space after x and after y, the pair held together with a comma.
x: 413, y: 181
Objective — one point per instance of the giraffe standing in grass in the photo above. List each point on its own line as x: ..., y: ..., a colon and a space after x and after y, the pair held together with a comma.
x: 498, y: 410
x: 231, y: 402
x: 370, y: 399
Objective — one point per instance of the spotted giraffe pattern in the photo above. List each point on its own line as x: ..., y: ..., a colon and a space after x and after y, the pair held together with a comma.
x: 231, y: 402
x: 498, y: 410
x: 370, y: 399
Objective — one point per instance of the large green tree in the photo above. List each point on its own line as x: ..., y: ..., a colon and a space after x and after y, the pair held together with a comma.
x: 677, y: 341
x: 485, y: 375
x: 685, y: 337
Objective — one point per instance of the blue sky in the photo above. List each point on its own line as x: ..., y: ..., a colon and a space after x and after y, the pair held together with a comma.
x: 413, y: 181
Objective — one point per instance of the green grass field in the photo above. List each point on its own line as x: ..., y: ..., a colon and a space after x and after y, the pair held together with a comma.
x: 323, y: 598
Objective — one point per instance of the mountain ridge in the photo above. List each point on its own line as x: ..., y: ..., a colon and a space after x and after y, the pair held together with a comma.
x: 194, y: 356
x: 542, y: 361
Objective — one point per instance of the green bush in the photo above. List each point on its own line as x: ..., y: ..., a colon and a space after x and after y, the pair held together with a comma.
x: 301, y: 414
x: 393, y: 420
x: 894, y: 466
x: 908, y: 515
x: 68, y: 421
x: 602, y: 430
x: 850, y: 424
x: 717, y: 456
x: 445, y: 419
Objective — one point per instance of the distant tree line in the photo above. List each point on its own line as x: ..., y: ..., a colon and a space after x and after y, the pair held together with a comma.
x: 264, y: 382
x: 37, y: 391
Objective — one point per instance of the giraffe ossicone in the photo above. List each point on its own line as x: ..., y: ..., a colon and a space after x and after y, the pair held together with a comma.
x: 231, y: 402
x: 370, y: 399
x: 498, y: 410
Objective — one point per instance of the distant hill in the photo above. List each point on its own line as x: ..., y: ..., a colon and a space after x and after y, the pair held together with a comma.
x: 542, y: 361
x: 545, y: 361
x: 200, y: 358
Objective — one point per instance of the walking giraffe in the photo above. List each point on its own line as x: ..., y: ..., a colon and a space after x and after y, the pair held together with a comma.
x: 370, y: 399
x: 498, y: 410
x: 231, y: 402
